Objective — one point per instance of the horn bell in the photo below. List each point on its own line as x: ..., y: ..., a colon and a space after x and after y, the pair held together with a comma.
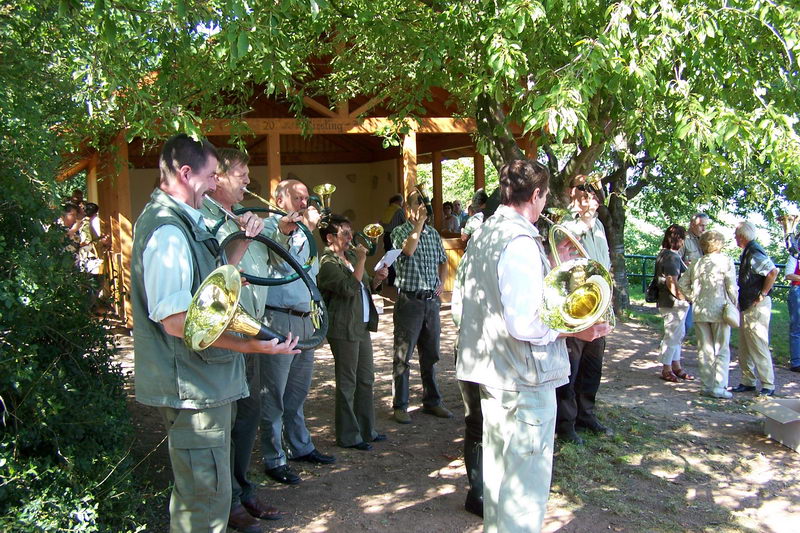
x: 577, y: 294
x: 215, y: 309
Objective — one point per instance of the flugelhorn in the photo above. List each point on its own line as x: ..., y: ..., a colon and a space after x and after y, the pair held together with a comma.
x: 790, y: 237
x: 577, y: 292
x: 369, y: 237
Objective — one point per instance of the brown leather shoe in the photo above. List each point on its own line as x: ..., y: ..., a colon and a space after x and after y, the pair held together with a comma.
x: 259, y: 510
x: 240, y: 520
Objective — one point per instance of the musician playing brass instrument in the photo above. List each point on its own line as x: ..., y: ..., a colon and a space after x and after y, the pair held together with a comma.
x: 193, y: 390
x: 233, y: 175
x: 285, y: 381
x: 576, y: 399
x: 509, y: 361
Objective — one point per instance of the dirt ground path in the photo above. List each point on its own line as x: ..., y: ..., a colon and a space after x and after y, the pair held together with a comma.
x: 723, y: 474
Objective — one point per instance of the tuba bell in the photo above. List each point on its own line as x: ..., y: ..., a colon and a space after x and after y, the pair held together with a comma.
x: 577, y: 292
x: 791, y: 239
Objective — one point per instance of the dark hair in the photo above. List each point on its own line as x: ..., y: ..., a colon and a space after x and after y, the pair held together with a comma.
x: 334, y: 223
x: 479, y: 198
x: 228, y: 157
x: 518, y: 180
x: 393, y: 199
x: 674, y: 235
x: 447, y: 204
x: 69, y: 206
x: 91, y: 209
x: 182, y: 150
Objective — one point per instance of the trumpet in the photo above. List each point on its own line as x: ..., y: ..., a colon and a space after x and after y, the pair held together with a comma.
x: 791, y: 239
x: 369, y: 238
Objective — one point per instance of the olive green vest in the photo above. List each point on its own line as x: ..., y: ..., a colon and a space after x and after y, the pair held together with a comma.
x: 487, y: 353
x: 167, y: 372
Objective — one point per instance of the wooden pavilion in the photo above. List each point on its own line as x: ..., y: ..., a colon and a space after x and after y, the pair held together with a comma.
x: 340, y: 146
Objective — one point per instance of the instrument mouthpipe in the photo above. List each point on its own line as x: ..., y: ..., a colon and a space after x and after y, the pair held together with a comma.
x: 222, y: 208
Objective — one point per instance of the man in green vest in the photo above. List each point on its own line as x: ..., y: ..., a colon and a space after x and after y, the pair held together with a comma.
x: 173, y: 252
x: 507, y: 352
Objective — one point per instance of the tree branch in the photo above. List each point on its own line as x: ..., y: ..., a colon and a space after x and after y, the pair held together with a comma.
x: 502, y: 146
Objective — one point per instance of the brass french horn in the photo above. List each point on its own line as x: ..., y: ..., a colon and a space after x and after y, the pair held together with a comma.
x: 215, y: 309
x: 577, y: 292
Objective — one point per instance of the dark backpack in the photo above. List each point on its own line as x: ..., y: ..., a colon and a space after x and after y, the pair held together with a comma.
x: 651, y: 294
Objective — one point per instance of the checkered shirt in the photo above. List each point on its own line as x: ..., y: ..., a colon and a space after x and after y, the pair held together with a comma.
x: 421, y: 270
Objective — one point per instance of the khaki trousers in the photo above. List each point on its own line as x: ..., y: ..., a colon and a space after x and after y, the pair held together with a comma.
x: 518, y: 430
x: 199, y: 450
x: 754, y: 355
x: 714, y: 355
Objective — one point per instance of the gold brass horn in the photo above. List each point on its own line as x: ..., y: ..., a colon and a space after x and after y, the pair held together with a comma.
x: 369, y: 237
x: 215, y: 309
x: 577, y: 292
x: 323, y: 194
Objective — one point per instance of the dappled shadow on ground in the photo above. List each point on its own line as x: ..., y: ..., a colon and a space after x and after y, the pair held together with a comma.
x: 679, y: 462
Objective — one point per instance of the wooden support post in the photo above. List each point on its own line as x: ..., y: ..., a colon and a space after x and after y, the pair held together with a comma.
x: 91, y: 179
x: 399, y: 176
x: 113, y: 193
x: 273, y: 162
x: 480, y: 170
x: 409, y: 162
x: 436, y: 167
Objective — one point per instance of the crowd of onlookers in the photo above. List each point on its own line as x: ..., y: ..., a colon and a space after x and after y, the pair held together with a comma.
x: 698, y: 287
x: 81, y: 222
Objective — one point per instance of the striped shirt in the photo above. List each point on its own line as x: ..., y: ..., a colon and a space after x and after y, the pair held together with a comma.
x: 419, y: 271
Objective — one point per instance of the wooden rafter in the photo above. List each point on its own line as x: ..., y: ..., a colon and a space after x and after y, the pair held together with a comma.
x: 363, y: 108
x: 316, y: 106
x: 321, y: 126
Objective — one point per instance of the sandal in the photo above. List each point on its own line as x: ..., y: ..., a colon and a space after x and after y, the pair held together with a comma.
x: 671, y: 377
x: 681, y: 373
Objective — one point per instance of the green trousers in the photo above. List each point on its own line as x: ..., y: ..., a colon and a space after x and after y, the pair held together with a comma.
x: 199, y: 450
x: 355, y: 409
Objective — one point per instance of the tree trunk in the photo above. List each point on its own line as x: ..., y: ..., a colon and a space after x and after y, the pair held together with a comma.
x: 498, y: 140
x: 614, y: 222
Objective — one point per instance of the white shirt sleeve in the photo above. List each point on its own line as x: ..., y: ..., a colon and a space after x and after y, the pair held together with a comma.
x: 168, y: 267
x: 521, y: 291
x: 791, y: 265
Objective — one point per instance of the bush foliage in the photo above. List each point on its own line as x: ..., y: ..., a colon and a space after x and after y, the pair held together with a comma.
x: 64, y: 428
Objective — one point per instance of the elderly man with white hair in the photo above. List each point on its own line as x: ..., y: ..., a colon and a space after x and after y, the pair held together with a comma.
x: 757, y: 274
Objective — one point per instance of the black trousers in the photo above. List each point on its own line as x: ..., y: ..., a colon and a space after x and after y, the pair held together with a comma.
x: 416, y: 324
x: 575, y: 400
x: 473, y: 437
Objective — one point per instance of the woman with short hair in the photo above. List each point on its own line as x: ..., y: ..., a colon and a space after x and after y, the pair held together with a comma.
x: 347, y: 288
x: 672, y: 305
x: 709, y: 283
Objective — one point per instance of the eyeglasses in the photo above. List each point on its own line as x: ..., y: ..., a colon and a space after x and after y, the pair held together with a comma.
x: 343, y: 233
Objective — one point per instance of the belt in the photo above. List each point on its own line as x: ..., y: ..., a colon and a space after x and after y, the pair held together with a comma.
x: 421, y: 294
x: 292, y: 312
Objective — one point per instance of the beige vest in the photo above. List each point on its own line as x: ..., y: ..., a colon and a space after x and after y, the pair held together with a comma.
x: 487, y: 353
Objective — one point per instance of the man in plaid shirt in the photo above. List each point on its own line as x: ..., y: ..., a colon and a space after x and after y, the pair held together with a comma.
x: 420, y: 271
